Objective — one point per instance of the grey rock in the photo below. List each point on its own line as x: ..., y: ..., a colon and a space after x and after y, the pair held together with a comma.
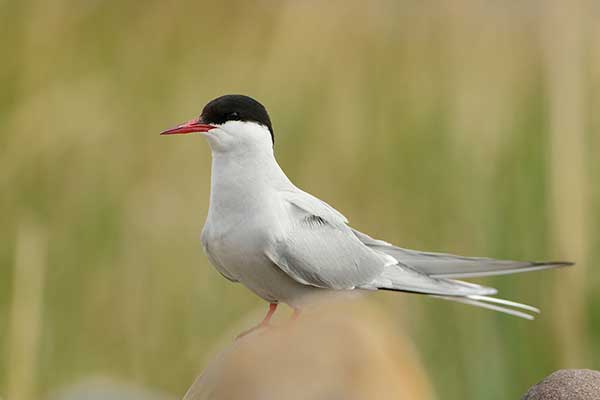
x: 567, y: 384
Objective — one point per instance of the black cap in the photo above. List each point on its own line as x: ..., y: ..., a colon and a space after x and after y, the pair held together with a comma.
x: 236, y: 107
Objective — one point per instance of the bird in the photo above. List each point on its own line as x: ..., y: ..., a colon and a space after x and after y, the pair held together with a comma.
x: 288, y: 246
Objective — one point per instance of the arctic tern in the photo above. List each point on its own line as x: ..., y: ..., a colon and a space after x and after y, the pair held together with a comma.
x: 288, y: 246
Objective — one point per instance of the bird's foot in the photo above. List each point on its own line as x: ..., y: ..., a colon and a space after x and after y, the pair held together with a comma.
x: 253, y: 329
x: 264, y: 324
x: 296, y: 314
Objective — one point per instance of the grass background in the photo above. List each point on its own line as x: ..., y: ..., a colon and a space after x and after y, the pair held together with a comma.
x: 462, y: 126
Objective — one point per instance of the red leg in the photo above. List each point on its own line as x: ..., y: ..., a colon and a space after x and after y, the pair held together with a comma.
x: 264, y: 323
x: 296, y: 314
x: 272, y: 308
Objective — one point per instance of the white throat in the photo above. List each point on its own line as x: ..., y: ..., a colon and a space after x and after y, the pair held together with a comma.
x: 243, y: 179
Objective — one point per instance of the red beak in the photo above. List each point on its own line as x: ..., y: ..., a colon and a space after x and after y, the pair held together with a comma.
x: 194, y: 125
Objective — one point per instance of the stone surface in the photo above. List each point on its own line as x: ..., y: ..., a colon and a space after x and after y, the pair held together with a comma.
x: 342, y: 353
x: 567, y: 384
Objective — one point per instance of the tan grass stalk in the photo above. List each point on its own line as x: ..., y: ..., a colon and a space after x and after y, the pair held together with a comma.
x: 564, y: 23
x: 26, y: 312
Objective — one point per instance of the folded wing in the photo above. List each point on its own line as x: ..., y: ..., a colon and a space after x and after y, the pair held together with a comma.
x: 317, y: 247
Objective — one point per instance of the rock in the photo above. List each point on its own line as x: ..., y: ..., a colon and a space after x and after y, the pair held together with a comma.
x: 351, y: 352
x: 567, y: 384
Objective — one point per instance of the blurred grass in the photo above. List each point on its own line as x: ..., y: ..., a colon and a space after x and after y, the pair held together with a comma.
x: 430, y: 124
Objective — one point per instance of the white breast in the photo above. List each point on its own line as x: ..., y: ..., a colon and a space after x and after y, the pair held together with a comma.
x: 245, y: 213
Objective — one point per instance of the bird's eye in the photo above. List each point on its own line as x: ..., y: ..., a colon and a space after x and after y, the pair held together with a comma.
x: 234, y: 115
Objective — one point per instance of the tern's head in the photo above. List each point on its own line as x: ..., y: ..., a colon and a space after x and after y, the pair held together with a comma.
x: 231, y: 122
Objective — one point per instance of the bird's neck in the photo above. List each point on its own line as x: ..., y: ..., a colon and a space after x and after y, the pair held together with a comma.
x: 242, y: 182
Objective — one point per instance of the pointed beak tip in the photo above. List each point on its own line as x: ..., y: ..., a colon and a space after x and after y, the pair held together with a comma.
x: 189, y: 127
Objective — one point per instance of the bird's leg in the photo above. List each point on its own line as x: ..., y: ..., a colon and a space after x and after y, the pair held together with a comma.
x: 272, y: 308
x: 264, y: 323
x: 296, y: 314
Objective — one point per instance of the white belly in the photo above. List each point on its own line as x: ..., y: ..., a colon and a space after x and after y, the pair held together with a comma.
x: 240, y: 254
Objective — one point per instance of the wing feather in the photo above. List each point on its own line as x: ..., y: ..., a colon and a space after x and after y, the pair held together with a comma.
x: 317, y: 247
x: 443, y: 265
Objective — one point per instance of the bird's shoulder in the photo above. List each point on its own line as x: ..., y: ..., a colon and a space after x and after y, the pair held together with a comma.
x: 307, y: 204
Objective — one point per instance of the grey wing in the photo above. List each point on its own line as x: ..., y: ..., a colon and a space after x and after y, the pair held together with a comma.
x: 442, y: 265
x: 317, y: 248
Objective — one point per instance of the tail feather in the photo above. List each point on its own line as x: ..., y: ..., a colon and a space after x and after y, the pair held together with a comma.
x: 505, y: 302
x: 434, y: 274
x: 490, y: 303
x: 403, y: 278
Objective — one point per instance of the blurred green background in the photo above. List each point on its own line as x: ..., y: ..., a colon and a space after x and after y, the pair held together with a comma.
x: 460, y: 126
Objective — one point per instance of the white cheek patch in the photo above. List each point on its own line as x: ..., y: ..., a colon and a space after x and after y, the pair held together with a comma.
x: 247, y: 132
x: 240, y: 136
